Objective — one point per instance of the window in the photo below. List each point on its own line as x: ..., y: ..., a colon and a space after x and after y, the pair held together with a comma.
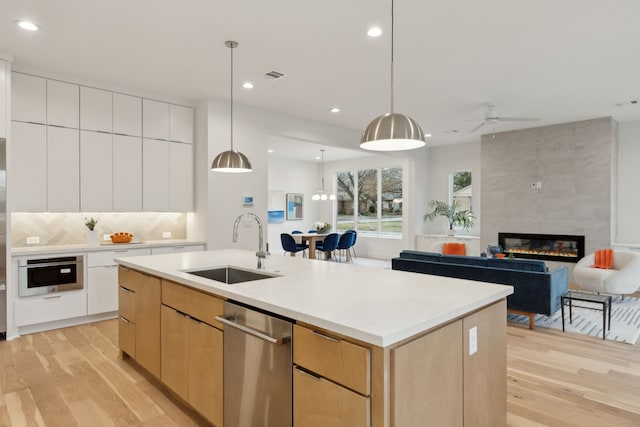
x: 460, y: 189
x: 378, y: 211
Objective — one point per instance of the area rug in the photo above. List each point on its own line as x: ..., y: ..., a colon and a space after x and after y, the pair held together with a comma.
x: 625, y: 320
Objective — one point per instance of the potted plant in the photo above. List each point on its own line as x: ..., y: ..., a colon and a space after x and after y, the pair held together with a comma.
x: 92, y: 234
x: 452, y: 212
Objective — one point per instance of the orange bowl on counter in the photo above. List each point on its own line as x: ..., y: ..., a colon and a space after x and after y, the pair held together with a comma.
x: 121, y: 237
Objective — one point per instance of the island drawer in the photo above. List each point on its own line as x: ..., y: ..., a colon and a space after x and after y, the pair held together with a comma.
x: 332, y: 357
x: 194, y: 303
x: 127, y: 336
x: 127, y: 303
x: 319, y: 402
x: 127, y: 278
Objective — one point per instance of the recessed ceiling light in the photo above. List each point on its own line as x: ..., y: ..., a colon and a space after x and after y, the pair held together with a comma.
x: 247, y: 85
x: 334, y: 110
x: 27, y: 25
x: 317, y: 157
x: 374, y: 32
x: 269, y: 150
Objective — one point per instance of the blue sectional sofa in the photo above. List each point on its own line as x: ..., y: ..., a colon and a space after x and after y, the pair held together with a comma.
x: 535, y: 290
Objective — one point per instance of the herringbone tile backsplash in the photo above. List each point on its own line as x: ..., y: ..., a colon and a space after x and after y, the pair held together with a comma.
x: 69, y: 228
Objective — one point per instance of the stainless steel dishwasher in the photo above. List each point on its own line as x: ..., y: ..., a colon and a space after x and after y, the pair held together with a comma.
x: 257, y: 368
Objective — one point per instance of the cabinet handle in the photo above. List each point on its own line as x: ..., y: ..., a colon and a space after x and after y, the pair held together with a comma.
x: 53, y: 297
x: 308, y: 373
x: 181, y: 313
x: 178, y: 247
x: 125, y: 289
x: 125, y: 320
x: 124, y: 268
x: 193, y: 319
x: 326, y: 337
x: 229, y: 320
x: 122, y: 250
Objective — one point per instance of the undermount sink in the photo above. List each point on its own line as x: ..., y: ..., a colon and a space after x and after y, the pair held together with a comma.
x: 230, y: 275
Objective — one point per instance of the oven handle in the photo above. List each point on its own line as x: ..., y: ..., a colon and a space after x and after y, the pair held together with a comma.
x: 228, y: 320
x: 51, y: 264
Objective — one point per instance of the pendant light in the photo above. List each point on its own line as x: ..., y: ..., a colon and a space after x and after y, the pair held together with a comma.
x: 321, y: 194
x: 231, y: 161
x: 392, y: 131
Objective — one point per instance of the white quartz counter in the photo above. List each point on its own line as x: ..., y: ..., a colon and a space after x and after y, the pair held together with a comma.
x: 377, y: 306
x: 105, y: 246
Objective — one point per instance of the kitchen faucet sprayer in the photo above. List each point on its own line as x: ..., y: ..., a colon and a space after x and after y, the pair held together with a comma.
x: 261, y: 254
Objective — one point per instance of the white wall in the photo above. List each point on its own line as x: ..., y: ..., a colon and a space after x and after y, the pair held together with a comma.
x: 290, y: 176
x: 628, y: 228
x: 252, y: 129
x: 442, y: 161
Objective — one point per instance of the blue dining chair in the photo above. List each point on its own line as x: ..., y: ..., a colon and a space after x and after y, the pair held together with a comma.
x: 296, y: 232
x: 328, y: 245
x: 289, y: 245
x: 352, y: 249
x: 312, y: 231
x: 344, y: 244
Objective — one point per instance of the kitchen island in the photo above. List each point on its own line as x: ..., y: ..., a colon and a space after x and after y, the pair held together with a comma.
x: 388, y: 348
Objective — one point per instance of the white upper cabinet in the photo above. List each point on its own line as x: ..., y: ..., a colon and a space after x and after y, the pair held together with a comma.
x: 155, y: 175
x: 96, y: 109
x: 96, y: 172
x: 181, y: 177
x: 63, y: 169
x: 155, y: 119
x: 180, y: 123
x: 28, y: 98
x: 28, y: 167
x: 63, y: 104
x: 127, y: 173
x: 127, y: 115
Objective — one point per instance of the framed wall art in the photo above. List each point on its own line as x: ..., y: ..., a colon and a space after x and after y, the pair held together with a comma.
x: 294, y: 206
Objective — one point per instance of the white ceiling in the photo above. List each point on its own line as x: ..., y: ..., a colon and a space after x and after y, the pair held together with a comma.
x: 559, y: 61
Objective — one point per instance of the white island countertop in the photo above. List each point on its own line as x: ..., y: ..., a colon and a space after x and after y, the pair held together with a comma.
x: 374, y: 305
x: 103, y: 246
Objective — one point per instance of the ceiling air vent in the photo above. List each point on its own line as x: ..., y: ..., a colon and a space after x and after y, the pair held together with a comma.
x: 273, y: 75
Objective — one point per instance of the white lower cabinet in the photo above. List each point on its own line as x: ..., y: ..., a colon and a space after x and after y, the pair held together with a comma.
x: 102, y: 279
x: 49, y: 308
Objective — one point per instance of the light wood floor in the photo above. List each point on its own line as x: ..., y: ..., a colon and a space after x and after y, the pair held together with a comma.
x: 72, y: 377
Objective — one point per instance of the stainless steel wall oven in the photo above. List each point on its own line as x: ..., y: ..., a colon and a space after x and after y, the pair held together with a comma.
x: 46, y: 275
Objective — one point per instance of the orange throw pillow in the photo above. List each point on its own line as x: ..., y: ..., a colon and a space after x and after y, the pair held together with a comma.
x: 603, y: 259
x: 453, y: 249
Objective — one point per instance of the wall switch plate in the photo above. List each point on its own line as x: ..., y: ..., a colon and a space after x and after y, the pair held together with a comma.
x: 33, y: 240
x: 539, y: 185
x: 166, y: 234
x: 534, y: 185
x: 473, y: 340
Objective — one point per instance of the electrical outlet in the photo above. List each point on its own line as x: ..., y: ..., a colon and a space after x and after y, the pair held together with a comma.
x: 539, y: 185
x: 473, y: 340
x: 33, y: 240
x: 534, y: 185
x: 166, y: 234
x: 106, y: 237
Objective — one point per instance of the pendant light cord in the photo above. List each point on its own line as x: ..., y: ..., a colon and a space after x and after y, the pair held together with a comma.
x: 322, y: 179
x: 231, y: 47
x: 392, y: 19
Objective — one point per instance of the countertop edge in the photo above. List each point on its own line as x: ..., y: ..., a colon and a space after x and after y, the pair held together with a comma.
x: 81, y: 247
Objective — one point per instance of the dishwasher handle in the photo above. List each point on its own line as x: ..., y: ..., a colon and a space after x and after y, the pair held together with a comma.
x: 229, y: 320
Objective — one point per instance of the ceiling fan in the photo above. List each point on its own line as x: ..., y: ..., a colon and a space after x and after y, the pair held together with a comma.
x: 491, y: 117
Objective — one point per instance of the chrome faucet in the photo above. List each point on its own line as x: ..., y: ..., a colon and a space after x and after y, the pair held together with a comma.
x: 261, y: 254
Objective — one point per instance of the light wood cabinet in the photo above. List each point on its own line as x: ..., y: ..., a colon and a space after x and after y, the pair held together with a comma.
x: 319, y: 402
x: 155, y: 119
x: 63, y: 169
x: 155, y: 175
x: 63, y: 104
x: 485, y: 374
x: 191, y: 350
x: 96, y: 109
x: 127, y: 115
x: 419, y: 370
x: 96, y: 172
x: 332, y: 380
x: 145, y: 290
x: 127, y: 173
x: 180, y: 177
x: 29, y: 167
x: 28, y: 98
x: 180, y: 123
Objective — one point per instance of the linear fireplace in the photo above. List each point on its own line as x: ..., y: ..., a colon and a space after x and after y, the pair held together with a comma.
x: 551, y: 247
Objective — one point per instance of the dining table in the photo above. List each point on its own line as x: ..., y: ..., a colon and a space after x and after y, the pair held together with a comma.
x: 311, y: 239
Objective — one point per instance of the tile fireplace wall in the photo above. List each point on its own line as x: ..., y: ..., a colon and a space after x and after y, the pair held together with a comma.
x: 576, y: 166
